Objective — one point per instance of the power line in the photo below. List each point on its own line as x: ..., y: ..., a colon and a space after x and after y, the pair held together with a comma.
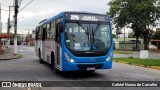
x: 7, y: 2
x: 6, y: 10
x: 26, y: 5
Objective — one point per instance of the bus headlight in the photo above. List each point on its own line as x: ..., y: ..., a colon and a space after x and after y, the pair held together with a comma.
x: 68, y: 58
x: 110, y: 56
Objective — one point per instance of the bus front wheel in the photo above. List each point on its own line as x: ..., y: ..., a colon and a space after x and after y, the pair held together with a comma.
x: 53, y: 64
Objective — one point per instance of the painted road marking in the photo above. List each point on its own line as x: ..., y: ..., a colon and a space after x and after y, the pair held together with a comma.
x: 29, y: 89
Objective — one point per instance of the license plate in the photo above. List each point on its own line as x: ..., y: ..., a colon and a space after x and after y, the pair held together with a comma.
x: 90, y: 68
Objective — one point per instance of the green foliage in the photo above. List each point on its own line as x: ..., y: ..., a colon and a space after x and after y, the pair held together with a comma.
x: 114, y: 36
x: 139, y: 14
x: 131, y: 35
x: 156, y: 36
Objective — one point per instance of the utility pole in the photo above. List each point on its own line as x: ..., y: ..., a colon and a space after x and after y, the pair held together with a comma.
x: 15, y: 26
x: 124, y: 37
x: 28, y: 37
x: 8, y: 28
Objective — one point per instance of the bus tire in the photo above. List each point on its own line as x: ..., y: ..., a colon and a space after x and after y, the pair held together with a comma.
x: 40, y: 59
x: 52, y: 61
x: 53, y: 64
x: 91, y: 71
x: 57, y: 71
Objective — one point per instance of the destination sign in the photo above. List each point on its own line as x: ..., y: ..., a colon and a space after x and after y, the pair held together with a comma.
x: 87, y: 17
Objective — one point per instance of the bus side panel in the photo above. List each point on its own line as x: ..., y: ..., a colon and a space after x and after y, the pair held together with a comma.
x: 43, y: 50
x: 36, y: 49
x: 38, y: 46
x: 49, y: 47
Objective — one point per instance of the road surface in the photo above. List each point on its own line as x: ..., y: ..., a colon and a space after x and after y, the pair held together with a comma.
x: 28, y: 68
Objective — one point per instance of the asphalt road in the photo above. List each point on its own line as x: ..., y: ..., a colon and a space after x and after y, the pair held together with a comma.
x: 28, y: 68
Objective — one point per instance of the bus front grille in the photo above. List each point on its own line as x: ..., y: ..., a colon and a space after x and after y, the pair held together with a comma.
x: 84, y: 67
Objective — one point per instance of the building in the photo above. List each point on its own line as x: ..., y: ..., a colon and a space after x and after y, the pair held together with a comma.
x: 30, y: 39
x: 158, y: 29
x: 0, y: 27
x: 122, y: 35
x: 33, y: 33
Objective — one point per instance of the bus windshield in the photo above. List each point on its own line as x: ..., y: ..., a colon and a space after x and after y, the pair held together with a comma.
x: 87, y: 36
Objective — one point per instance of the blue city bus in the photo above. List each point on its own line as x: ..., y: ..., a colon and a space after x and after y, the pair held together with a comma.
x: 74, y: 41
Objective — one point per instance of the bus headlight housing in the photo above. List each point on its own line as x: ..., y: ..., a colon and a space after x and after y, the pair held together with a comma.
x: 68, y: 58
x: 110, y: 56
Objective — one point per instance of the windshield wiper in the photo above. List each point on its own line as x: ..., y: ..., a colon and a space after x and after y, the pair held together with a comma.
x: 95, y: 30
x: 86, y: 30
x: 93, y: 45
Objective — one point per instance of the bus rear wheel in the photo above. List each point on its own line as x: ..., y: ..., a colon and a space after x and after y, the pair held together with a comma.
x: 40, y: 59
x: 52, y: 61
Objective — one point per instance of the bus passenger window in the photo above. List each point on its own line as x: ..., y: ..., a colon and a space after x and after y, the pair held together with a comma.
x: 58, y: 33
x: 39, y: 36
x: 52, y: 30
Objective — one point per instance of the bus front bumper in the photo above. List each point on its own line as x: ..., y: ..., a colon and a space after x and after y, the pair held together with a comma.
x: 67, y: 66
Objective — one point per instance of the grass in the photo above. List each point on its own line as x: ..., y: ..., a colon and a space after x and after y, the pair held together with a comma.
x: 140, y: 62
x: 123, y: 52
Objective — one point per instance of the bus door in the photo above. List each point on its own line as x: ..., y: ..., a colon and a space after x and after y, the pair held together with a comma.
x: 43, y: 43
x: 58, y: 49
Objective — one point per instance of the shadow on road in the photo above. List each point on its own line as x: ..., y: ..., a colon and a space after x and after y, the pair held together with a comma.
x: 80, y: 74
x: 76, y: 74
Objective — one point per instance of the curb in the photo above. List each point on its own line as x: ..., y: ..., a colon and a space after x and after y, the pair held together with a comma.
x: 153, y: 67
x: 18, y: 54
x: 15, y: 57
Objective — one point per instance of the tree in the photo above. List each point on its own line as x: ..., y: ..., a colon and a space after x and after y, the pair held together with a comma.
x: 114, y: 36
x: 139, y: 14
x: 131, y: 35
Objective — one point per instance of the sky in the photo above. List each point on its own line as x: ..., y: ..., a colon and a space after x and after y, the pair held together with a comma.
x: 38, y: 10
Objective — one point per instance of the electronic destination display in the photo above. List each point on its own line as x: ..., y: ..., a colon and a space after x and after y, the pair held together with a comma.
x: 87, y: 17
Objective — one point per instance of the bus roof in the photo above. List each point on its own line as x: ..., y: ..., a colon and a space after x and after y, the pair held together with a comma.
x: 66, y: 12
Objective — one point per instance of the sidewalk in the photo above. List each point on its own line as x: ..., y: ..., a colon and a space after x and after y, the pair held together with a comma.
x: 8, y: 54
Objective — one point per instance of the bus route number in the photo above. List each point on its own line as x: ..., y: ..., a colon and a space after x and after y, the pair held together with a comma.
x: 74, y: 17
